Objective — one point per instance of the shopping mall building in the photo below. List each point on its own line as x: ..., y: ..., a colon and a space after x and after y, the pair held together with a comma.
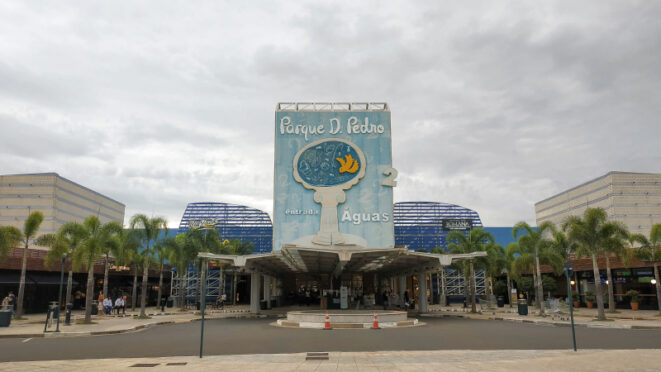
x: 335, y: 233
x: 633, y: 199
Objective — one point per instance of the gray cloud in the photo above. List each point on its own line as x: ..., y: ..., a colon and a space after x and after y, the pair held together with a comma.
x: 495, y: 105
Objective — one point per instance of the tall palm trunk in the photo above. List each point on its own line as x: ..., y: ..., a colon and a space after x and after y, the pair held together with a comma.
x: 658, y: 286
x: 145, y: 278
x: 611, y: 296
x: 534, y: 282
x: 597, y: 284
x: 160, y: 285
x: 540, y: 289
x: 509, y: 288
x: 105, y: 277
x: 472, y: 288
x: 21, y: 285
x: 69, y: 287
x: 134, y: 293
x: 89, y: 294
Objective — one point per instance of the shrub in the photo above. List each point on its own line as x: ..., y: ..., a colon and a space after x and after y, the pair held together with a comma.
x: 589, y: 296
x: 633, y: 294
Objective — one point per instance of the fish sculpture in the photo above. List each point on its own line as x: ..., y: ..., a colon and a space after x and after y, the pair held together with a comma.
x: 348, y: 164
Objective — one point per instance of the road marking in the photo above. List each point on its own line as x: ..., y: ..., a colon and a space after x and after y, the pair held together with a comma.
x: 26, y: 340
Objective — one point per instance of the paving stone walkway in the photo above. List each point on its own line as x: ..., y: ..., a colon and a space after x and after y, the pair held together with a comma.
x: 33, y: 324
x: 469, y: 360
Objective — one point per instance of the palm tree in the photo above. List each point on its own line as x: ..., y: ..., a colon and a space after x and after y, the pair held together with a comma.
x: 149, y: 229
x: 63, y: 244
x: 593, y: 234
x: 650, y: 250
x: 615, y: 246
x: 181, y: 252
x: 474, y: 241
x: 30, y: 230
x: 161, y: 253
x: 10, y: 237
x: 495, y: 261
x: 521, y: 261
x: 93, y: 241
x: 535, y: 244
x: 137, y: 261
x: 238, y: 247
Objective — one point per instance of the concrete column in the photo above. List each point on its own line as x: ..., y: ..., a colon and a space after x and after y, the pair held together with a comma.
x: 422, y: 292
x: 402, y: 286
x: 443, y: 287
x: 254, y: 292
x: 267, y: 291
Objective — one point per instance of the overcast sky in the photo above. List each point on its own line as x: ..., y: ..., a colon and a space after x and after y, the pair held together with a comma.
x: 495, y: 105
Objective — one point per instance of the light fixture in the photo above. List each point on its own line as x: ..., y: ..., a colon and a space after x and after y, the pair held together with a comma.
x: 572, y: 282
x: 653, y: 281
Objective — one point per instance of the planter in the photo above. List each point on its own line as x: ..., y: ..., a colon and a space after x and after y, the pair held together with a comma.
x: 634, y: 306
x: 577, y: 304
x: 590, y: 304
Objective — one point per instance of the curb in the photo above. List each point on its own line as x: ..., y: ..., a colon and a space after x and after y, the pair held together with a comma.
x: 126, y: 330
x: 543, y: 322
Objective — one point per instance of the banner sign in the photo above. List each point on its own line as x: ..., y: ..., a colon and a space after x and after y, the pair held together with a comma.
x: 333, y: 179
x: 457, y: 224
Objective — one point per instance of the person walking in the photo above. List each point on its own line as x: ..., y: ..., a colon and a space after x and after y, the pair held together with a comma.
x: 124, y: 305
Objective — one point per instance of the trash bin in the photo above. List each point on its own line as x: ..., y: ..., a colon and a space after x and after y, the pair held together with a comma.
x: 170, y: 302
x: 5, y: 318
x: 500, y: 301
x: 95, y: 308
x: 523, y: 306
x: 262, y: 304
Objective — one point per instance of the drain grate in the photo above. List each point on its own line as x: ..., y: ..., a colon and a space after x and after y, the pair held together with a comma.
x: 316, y: 356
x: 145, y: 365
x: 176, y: 364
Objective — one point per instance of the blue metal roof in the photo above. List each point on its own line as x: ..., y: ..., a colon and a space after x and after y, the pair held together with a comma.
x: 419, y: 225
x: 233, y: 222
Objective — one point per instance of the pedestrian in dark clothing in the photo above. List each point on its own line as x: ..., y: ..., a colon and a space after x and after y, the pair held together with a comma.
x: 12, y: 302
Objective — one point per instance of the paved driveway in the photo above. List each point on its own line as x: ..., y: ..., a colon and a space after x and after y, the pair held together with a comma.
x: 256, y: 336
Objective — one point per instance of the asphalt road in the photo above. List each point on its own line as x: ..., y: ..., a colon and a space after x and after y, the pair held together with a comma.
x: 256, y: 336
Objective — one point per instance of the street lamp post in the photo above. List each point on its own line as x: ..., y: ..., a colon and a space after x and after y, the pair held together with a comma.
x: 568, y: 270
x: 203, y: 303
x: 59, y: 294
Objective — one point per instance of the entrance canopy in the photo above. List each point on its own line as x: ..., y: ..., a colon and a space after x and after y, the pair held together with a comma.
x: 392, y: 261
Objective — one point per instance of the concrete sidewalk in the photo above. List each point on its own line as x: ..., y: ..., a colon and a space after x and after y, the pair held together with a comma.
x: 33, y: 325
x: 468, y: 360
x: 623, y: 319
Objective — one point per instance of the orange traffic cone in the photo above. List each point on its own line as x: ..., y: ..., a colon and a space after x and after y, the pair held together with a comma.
x: 327, y: 323
x: 375, y: 322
